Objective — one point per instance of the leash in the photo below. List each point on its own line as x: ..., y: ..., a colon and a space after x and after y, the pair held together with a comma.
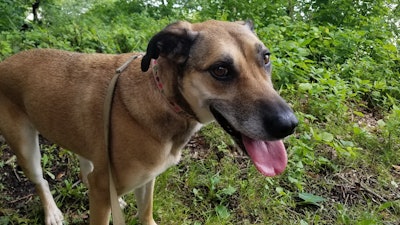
x: 116, y: 212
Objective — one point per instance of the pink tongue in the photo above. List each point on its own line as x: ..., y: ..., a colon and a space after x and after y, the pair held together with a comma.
x: 269, y: 157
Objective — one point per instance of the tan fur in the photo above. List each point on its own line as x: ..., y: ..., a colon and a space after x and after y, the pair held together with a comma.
x: 61, y: 94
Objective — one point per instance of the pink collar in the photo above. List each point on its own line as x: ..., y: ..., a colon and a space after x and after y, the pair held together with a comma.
x: 174, y: 106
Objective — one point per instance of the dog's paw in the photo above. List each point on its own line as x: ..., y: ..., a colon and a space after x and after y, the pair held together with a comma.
x: 54, y: 217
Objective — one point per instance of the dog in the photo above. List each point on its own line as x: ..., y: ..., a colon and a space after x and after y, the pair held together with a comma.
x: 190, y: 75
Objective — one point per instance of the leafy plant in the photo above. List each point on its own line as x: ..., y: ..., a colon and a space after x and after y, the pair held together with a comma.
x: 337, y: 64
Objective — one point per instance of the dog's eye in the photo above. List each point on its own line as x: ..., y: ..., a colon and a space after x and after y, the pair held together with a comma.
x: 267, y: 56
x: 220, y: 72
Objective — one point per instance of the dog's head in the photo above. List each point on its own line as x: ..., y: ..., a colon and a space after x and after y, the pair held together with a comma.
x: 224, y: 73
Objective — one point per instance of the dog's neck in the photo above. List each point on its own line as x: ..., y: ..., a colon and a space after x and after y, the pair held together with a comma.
x: 172, y: 94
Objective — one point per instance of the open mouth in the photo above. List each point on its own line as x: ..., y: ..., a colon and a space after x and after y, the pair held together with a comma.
x: 269, y: 157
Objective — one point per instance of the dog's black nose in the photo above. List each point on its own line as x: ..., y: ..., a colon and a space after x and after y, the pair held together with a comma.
x: 282, y: 124
x: 279, y: 119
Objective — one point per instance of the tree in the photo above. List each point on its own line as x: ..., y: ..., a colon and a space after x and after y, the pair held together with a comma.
x: 13, y: 14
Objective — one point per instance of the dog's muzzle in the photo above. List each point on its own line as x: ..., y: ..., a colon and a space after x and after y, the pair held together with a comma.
x: 278, y: 118
x: 268, y: 154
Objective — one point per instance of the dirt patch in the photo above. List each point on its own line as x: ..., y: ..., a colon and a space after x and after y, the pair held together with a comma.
x: 18, y: 193
x: 355, y: 187
x: 18, y: 189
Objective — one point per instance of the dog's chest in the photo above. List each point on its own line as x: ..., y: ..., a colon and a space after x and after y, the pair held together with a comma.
x: 173, y: 150
x: 159, y: 158
x: 143, y: 172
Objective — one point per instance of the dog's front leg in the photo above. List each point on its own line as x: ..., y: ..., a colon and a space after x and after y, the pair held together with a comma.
x: 144, y: 201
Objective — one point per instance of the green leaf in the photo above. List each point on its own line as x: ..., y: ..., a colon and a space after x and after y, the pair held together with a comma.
x: 305, y: 86
x: 50, y: 175
x: 385, y: 206
x: 222, y: 211
x: 327, y: 137
x: 302, y: 222
x: 4, y: 220
x: 196, y: 193
x: 229, y: 190
x: 280, y: 191
x: 358, y: 113
x: 310, y: 199
x: 381, y: 123
x: 307, y: 41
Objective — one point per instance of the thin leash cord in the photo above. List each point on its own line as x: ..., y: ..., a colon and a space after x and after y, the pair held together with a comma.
x: 116, y: 212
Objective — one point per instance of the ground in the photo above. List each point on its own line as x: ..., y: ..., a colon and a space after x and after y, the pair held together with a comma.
x: 350, y: 188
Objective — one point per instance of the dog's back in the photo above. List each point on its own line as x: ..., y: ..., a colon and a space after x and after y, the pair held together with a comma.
x: 53, y: 86
x: 35, y: 87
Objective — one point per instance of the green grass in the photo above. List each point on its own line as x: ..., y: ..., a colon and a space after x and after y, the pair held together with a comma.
x: 344, y: 159
x: 215, y: 184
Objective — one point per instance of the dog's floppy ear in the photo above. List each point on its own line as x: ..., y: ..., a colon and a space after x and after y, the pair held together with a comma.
x: 173, y: 42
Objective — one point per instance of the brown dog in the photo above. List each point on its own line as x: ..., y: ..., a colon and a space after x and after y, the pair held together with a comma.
x: 205, y: 71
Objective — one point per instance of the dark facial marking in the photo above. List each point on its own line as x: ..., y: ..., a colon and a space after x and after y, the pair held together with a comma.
x: 223, y: 69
